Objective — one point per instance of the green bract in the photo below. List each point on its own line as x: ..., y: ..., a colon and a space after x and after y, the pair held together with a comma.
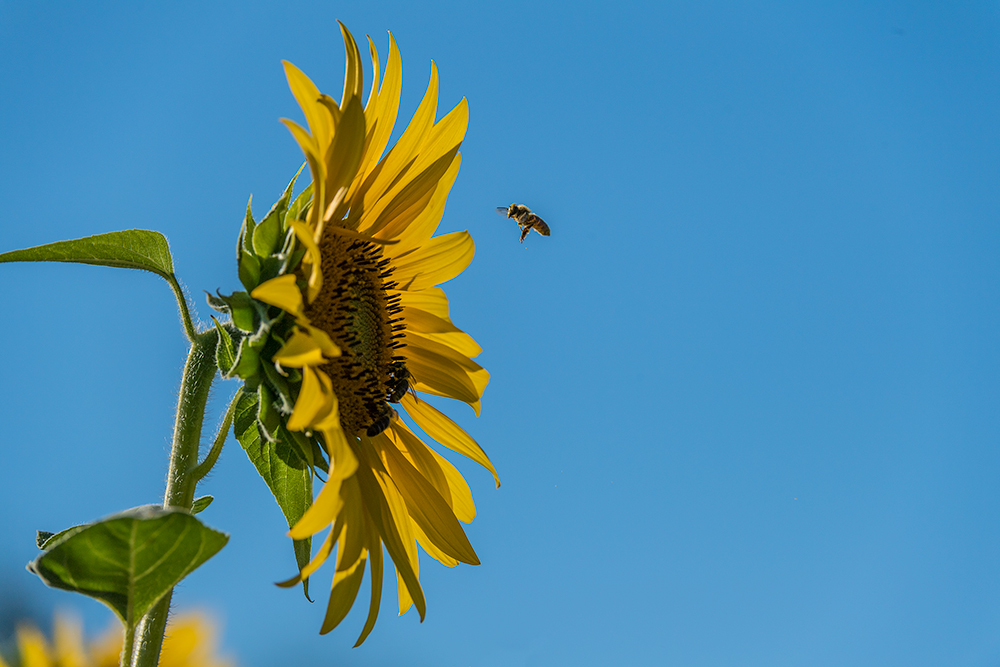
x: 284, y: 458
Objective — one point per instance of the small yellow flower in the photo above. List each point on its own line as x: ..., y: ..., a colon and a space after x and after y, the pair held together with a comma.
x: 357, y: 324
x: 190, y: 642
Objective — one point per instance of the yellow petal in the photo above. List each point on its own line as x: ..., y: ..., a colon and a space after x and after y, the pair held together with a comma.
x: 438, y: 471
x: 354, y: 536
x: 435, y: 156
x: 354, y: 76
x: 343, y: 462
x: 406, y: 148
x: 375, y: 555
x: 69, y: 647
x: 314, y: 564
x: 326, y: 344
x: 385, y: 179
x: 441, y: 331
x: 408, y: 202
x: 343, y: 592
x: 428, y: 509
x: 344, y: 155
x: 300, y: 350
x: 461, y: 342
x: 447, y: 432
x: 281, y: 292
x: 32, y: 647
x: 314, y: 399
x: 432, y: 299
x: 351, y: 556
x: 388, y: 511
x: 403, y: 592
x: 440, y: 259
x: 439, y: 376
x: 427, y: 545
x: 417, y: 231
x: 479, y: 376
x: 314, y: 156
x: 321, y: 513
x: 304, y: 233
x: 307, y: 95
x: 440, y: 370
x: 371, y: 105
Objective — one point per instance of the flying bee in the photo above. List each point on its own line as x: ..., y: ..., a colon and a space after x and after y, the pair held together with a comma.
x: 382, y: 422
x: 526, y: 220
x: 399, y: 384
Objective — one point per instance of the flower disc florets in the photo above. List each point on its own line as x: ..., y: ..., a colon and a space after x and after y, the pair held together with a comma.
x: 342, y: 320
x: 363, y: 321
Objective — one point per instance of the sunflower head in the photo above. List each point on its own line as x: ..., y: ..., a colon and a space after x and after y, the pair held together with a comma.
x: 342, y: 325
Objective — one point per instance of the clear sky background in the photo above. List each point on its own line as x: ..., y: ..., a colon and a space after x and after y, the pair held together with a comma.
x: 743, y: 400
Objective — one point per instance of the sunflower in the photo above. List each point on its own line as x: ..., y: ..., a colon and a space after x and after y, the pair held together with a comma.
x: 345, y: 321
x: 190, y: 642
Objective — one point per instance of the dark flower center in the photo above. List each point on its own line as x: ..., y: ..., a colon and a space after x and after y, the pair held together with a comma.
x: 354, y: 309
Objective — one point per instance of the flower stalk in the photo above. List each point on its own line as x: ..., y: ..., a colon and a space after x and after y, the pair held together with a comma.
x: 182, y: 478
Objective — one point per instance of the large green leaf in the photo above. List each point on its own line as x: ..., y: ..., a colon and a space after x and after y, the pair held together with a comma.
x: 285, y: 472
x: 130, y: 560
x: 132, y: 249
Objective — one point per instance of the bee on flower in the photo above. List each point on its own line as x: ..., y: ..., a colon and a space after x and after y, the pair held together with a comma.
x: 343, y: 319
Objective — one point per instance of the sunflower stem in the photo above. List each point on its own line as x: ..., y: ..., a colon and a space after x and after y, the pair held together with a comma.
x: 127, y: 646
x: 199, y: 372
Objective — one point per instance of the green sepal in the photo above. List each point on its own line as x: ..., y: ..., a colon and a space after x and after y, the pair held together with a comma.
x: 200, y: 504
x: 247, y: 361
x: 225, y: 350
x: 269, y: 232
x: 217, y: 304
x: 274, y: 266
x: 246, y: 232
x: 265, y: 237
x: 286, y: 474
x: 249, y: 271
x: 282, y: 394
x: 128, y: 561
x: 235, y: 358
x: 298, y: 209
x: 131, y: 249
x: 309, y: 450
x: 239, y: 306
x: 268, y: 417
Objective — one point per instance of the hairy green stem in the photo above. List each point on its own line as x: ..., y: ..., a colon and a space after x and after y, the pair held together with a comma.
x: 199, y: 372
x: 127, y: 645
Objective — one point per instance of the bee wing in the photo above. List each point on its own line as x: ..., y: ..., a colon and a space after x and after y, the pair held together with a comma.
x: 502, y: 210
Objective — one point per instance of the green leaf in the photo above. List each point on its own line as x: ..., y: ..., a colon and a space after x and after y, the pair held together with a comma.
x: 130, y: 560
x: 282, y: 469
x: 132, y: 249
x: 201, y: 503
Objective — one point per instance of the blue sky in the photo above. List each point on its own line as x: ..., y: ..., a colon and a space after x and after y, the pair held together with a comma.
x: 743, y: 400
